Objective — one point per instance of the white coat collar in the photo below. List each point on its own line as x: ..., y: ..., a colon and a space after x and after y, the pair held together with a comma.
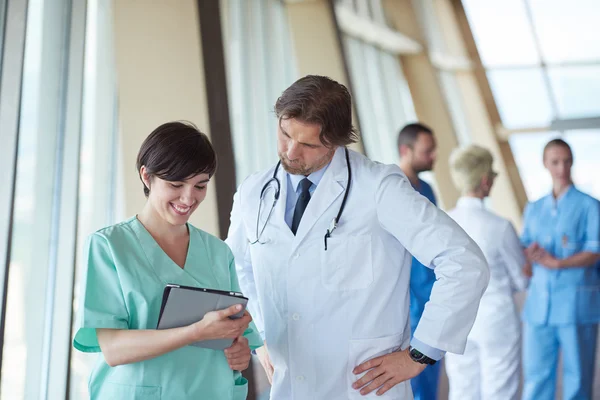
x: 469, y: 202
x: 329, y: 189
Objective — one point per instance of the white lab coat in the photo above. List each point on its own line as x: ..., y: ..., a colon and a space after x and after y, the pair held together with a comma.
x: 490, y: 366
x: 324, y: 312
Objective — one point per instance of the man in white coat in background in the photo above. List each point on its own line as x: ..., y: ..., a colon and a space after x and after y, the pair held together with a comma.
x: 322, y: 244
x: 490, y: 368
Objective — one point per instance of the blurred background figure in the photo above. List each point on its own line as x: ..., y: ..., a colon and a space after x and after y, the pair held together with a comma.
x: 562, y: 311
x: 490, y: 366
x: 416, y: 146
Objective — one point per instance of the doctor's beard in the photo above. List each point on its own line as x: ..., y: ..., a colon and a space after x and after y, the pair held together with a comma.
x: 297, y: 168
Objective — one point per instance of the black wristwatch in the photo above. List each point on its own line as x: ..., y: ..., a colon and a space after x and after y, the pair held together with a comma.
x: 419, y: 357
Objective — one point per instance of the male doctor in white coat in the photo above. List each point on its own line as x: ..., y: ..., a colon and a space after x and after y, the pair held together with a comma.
x: 322, y: 245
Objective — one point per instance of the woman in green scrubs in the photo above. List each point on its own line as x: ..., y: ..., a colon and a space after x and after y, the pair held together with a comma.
x: 128, y: 266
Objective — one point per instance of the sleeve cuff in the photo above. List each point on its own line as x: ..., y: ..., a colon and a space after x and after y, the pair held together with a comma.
x: 592, y: 247
x: 431, y: 352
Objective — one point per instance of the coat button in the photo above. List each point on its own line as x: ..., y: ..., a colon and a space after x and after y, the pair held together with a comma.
x: 300, y: 378
x: 296, y: 316
x: 296, y: 256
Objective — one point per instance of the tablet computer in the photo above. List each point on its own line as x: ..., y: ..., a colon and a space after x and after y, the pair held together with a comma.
x: 184, y: 305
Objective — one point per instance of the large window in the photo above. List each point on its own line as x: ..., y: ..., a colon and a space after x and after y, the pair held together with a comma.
x: 33, y: 267
x: 546, y: 66
x: 380, y: 90
x: 528, y: 148
x: 381, y: 96
x: 63, y: 187
x: 260, y: 65
x: 544, y: 72
x: 99, y: 162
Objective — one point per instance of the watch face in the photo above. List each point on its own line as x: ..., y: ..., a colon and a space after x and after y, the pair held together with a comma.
x: 416, y: 355
x: 419, y: 357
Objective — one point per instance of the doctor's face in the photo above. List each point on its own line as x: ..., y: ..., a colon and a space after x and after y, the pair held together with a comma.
x: 300, y: 149
x: 558, y: 160
x: 175, y: 202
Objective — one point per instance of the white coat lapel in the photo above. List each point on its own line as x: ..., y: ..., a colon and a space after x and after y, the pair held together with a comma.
x: 329, y: 189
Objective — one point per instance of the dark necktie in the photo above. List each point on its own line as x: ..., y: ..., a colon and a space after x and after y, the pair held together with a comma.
x: 301, y: 204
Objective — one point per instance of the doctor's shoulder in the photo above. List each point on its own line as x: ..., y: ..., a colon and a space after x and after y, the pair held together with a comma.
x: 374, y: 171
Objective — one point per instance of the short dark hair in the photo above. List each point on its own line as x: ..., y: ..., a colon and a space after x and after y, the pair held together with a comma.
x: 559, y: 143
x: 408, y: 135
x: 176, y: 151
x: 320, y: 100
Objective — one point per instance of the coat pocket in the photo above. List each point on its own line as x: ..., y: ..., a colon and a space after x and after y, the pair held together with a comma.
x: 347, y: 263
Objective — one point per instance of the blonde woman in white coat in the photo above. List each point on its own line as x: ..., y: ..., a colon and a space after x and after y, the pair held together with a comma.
x: 490, y: 366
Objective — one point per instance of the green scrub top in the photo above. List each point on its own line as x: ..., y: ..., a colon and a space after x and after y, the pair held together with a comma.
x: 126, y: 274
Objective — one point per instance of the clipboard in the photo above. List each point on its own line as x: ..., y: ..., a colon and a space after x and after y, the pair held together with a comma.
x: 185, y: 305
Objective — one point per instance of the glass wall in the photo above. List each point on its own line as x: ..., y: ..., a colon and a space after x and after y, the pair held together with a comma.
x: 434, y: 30
x: 380, y: 91
x: 99, y: 161
x: 32, y: 268
x: 528, y: 148
x: 260, y: 65
x: 381, y: 96
x: 545, y: 68
x: 64, y: 174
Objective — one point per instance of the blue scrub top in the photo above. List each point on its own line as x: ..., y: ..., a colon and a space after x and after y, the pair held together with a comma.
x: 563, y: 227
x: 422, y: 278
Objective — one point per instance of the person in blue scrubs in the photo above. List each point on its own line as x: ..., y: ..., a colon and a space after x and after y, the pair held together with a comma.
x: 127, y: 268
x: 417, y: 146
x: 562, y: 311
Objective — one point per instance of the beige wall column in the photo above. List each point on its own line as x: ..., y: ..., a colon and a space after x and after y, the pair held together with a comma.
x: 160, y: 76
x: 317, y: 48
x: 427, y: 96
x: 508, y: 196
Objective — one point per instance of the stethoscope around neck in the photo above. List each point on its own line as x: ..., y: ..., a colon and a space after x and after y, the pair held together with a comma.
x: 275, y: 180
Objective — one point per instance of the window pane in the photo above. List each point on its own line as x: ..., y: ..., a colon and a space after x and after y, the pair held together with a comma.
x: 522, y: 97
x: 567, y: 30
x: 502, y: 32
x: 260, y: 65
x: 577, y: 90
x: 527, y: 150
x: 98, y: 161
x: 456, y: 107
x: 2, y: 21
x: 383, y: 108
x: 28, y: 270
x: 585, y: 145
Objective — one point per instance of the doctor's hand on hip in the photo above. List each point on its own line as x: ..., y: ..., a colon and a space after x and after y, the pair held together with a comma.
x: 265, y: 360
x: 386, y: 372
